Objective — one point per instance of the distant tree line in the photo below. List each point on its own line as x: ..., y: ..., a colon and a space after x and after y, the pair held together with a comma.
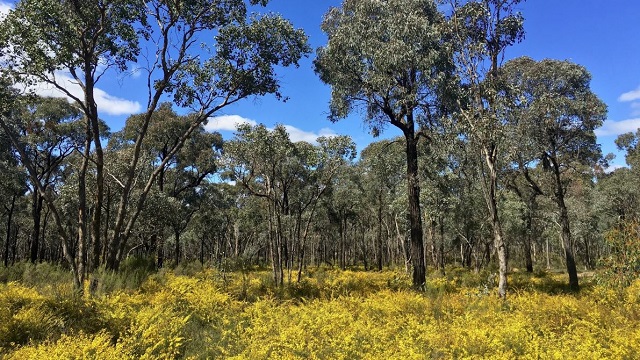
x: 497, y: 165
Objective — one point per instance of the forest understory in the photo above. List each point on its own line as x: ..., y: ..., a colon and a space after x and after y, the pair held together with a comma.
x: 196, y: 312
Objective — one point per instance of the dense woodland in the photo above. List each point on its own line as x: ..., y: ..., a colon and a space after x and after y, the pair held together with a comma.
x: 497, y: 167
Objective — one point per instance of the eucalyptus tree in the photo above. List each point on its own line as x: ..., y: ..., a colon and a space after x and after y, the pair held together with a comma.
x: 291, y: 177
x: 44, y: 132
x: 468, y: 218
x: 60, y: 43
x: 239, y: 62
x: 85, y: 40
x: 618, y: 196
x: 387, y: 60
x: 480, y: 31
x: 180, y: 173
x: 586, y: 220
x: 442, y: 183
x: 219, y: 225
x: 50, y: 130
x: 344, y: 207
x: 558, y: 112
x: 321, y: 163
x: 628, y: 142
x: 525, y: 185
x: 13, y: 182
x: 381, y: 163
x: 262, y: 161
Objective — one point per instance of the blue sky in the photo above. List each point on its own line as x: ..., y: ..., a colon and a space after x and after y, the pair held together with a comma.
x: 601, y: 35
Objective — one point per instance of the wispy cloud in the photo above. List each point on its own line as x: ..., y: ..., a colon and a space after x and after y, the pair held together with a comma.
x: 107, y: 103
x: 611, y: 128
x: 613, y: 167
x: 630, y: 96
x: 227, y: 122
x: 311, y: 137
x: 230, y: 123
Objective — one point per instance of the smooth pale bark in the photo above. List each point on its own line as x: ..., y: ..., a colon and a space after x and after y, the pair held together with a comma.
x: 498, y: 238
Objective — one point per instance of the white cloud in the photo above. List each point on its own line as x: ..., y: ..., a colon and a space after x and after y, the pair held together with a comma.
x: 107, y: 103
x: 230, y: 123
x: 300, y: 135
x: 610, y: 128
x: 630, y: 96
x: 227, y: 123
x: 613, y: 167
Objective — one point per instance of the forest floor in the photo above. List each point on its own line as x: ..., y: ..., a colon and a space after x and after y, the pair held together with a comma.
x: 199, y: 313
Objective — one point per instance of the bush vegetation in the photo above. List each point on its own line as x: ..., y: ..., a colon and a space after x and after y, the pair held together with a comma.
x: 330, y: 314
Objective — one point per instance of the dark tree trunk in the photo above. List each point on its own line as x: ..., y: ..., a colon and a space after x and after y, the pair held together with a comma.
x: 441, y: 248
x: 160, y: 259
x: 14, y: 244
x: 83, y: 229
x: 94, y: 127
x: 415, y: 217
x: 100, y: 249
x: 529, y: 235
x: 342, y: 256
x: 202, y: 249
x: 567, y: 241
x: 8, y: 237
x: 364, y: 248
x: 41, y: 253
x: 379, y: 235
x: 176, y: 234
x: 36, y: 215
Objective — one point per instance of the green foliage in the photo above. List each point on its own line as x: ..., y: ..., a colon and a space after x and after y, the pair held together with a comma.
x: 622, y: 266
x: 133, y: 272
x: 387, y: 68
x: 42, y: 36
x: 554, y: 109
x: 41, y: 276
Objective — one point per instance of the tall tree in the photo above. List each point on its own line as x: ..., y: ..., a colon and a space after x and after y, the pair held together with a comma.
x: 481, y: 30
x: 13, y: 182
x: 291, y: 178
x: 558, y: 112
x: 73, y: 42
x: 387, y: 59
x: 381, y: 163
x: 85, y: 40
x: 50, y: 130
x: 183, y: 172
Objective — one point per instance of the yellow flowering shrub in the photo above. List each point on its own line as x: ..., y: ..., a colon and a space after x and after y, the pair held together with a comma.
x: 78, y: 346
x: 330, y: 314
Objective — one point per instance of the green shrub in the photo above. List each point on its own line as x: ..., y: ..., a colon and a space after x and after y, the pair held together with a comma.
x: 622, y: 266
